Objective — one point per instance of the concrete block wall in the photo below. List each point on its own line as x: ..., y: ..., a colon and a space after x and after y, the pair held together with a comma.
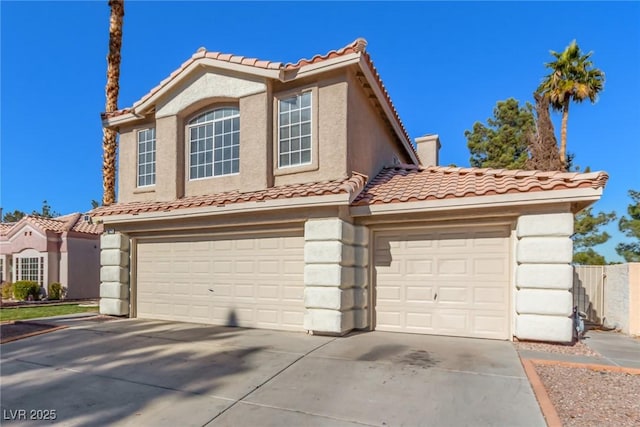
x: 335, y: 278
x: 616, y: 297
x: 544, y: 277
x: 114, y: 274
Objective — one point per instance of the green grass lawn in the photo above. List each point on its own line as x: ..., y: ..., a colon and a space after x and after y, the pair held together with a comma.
x: 42, y: 311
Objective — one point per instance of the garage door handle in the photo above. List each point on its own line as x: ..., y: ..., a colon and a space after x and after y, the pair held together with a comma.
x: 435, y: 297
x: 210, y: 290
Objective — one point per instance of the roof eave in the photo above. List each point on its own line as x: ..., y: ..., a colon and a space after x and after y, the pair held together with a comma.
x: 232, y: 208
x: 579, y: 197
x: 397, y: 127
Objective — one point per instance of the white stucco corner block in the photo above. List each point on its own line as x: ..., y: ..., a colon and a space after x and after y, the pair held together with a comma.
x: 114, y: 257
x: 328, y: 229
x: 329, y: 298
x: 114, y: 241
x: 114, y: 290
x: 114, y: 307
x: 360, y: 298
x: 361, y: 277
x: 544, y: 328
x: 328, y: 252
x: 329, y: 275
x: 361, y: 235
x: 112, y: 273
x: 560, y: 224
x: 544, y: 302
x: 539, y: 250
x: 330, y: 322
x: 544, y: 276
x: 360, y: 320
x: 361, y: 256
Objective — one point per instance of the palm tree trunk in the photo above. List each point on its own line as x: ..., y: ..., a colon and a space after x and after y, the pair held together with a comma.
x: 563, y: 136
x: 109, y: 136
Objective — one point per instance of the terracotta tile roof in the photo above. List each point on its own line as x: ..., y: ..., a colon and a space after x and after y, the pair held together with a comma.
x: 357, y: 46
x: 407, y: 183
x: 5, y: 227
x: 350, y: 185
x: 61, y: 224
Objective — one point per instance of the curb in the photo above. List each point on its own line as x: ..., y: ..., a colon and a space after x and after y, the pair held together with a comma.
x: 548, y: 410
x: 592, y: 366
x: 32, y: 334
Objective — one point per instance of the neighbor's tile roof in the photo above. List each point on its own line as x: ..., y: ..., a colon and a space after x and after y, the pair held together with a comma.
x: 61, y: 224
x: 349, y: 186
x: 357, y: 46
x: 407, y: 183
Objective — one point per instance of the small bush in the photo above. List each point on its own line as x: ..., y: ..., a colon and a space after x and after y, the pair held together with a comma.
x: 55, y: 291
x: 7, y: 290
x: 22, y: 289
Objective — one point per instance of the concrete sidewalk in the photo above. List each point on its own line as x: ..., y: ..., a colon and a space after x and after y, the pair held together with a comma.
x: 135, y: 372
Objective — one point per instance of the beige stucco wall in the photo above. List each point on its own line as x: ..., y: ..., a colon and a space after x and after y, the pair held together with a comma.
x: 83, y: 267
x: 634, y: 298
x: 371, y: 144
x: 258, y: 137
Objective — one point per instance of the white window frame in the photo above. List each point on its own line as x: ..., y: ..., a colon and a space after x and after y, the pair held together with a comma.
x: 35, y: 266
x: 224, y: 151
x: 149, y: 165
x: 287, y: 129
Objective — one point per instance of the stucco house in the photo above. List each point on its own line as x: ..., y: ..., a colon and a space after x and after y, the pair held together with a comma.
x: 65, y: 249
x: 290, y: 196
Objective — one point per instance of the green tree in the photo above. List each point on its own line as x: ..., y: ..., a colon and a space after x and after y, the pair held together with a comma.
x: 14, y: 216
x: 572, y: 78
x: 503, y: 142
x: 46, y: 211
x: 631, y: 228
x: 587, y: 234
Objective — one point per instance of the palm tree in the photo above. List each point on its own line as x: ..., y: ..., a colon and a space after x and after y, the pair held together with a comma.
x: 572, y: 78
x: 109, y: 136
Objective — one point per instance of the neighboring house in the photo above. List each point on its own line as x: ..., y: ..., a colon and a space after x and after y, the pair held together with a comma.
x: 277, y: 196
x: 65, y: 249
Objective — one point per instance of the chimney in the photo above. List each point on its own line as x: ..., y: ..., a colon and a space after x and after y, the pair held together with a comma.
x: 428, y: 148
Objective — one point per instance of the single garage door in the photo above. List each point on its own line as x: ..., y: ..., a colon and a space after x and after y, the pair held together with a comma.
x: 445, y: 281
x: 240, y: 280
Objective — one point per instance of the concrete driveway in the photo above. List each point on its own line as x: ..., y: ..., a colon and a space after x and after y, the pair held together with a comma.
x: 134, y: 372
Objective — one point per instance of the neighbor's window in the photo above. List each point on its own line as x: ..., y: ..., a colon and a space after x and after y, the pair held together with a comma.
x: 214, y: 143
x: 146, y: 157
x: 294, y: 127
x: 31, y: 269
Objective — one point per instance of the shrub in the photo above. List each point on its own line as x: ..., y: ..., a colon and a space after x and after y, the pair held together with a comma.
x: 55, y: 291
x: 22, y: 289
x: 7, y: 290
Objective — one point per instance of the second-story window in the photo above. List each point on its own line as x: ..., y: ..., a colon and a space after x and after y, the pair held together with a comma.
x: 146, y: 157
x: 214, y: 143
x: 294, y: 130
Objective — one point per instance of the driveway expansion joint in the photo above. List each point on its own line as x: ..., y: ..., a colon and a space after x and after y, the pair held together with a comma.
x: 269, y: 379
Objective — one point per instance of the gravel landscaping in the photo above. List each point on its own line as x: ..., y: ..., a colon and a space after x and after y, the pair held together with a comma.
x: 587, y: 397
x: 577, y: 349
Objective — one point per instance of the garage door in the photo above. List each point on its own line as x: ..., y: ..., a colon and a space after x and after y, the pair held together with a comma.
x: 249, y: 281
x: 445, y: 282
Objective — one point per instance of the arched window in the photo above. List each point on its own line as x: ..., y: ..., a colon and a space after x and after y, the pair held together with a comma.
x: 214, y: 143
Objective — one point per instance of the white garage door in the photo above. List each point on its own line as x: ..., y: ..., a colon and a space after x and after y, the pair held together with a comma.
x: 445, y: 282
x: 249, y: 281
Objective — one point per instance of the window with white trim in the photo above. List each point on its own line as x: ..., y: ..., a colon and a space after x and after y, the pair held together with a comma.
x: 214, y: 143
x: 146, y: 157
x: 294, y: 130
x: 1, y: 270
x: 31, y: 268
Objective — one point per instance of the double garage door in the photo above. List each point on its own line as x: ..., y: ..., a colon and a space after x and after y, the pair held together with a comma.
x: 445, y: 282
x: 450, y: 281
x: 236, y: 280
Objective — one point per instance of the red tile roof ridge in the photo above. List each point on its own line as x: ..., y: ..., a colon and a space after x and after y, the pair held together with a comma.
x: 357, y: 46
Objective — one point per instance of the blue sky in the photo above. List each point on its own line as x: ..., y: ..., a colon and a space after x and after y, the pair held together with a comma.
x: 445, y: 65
